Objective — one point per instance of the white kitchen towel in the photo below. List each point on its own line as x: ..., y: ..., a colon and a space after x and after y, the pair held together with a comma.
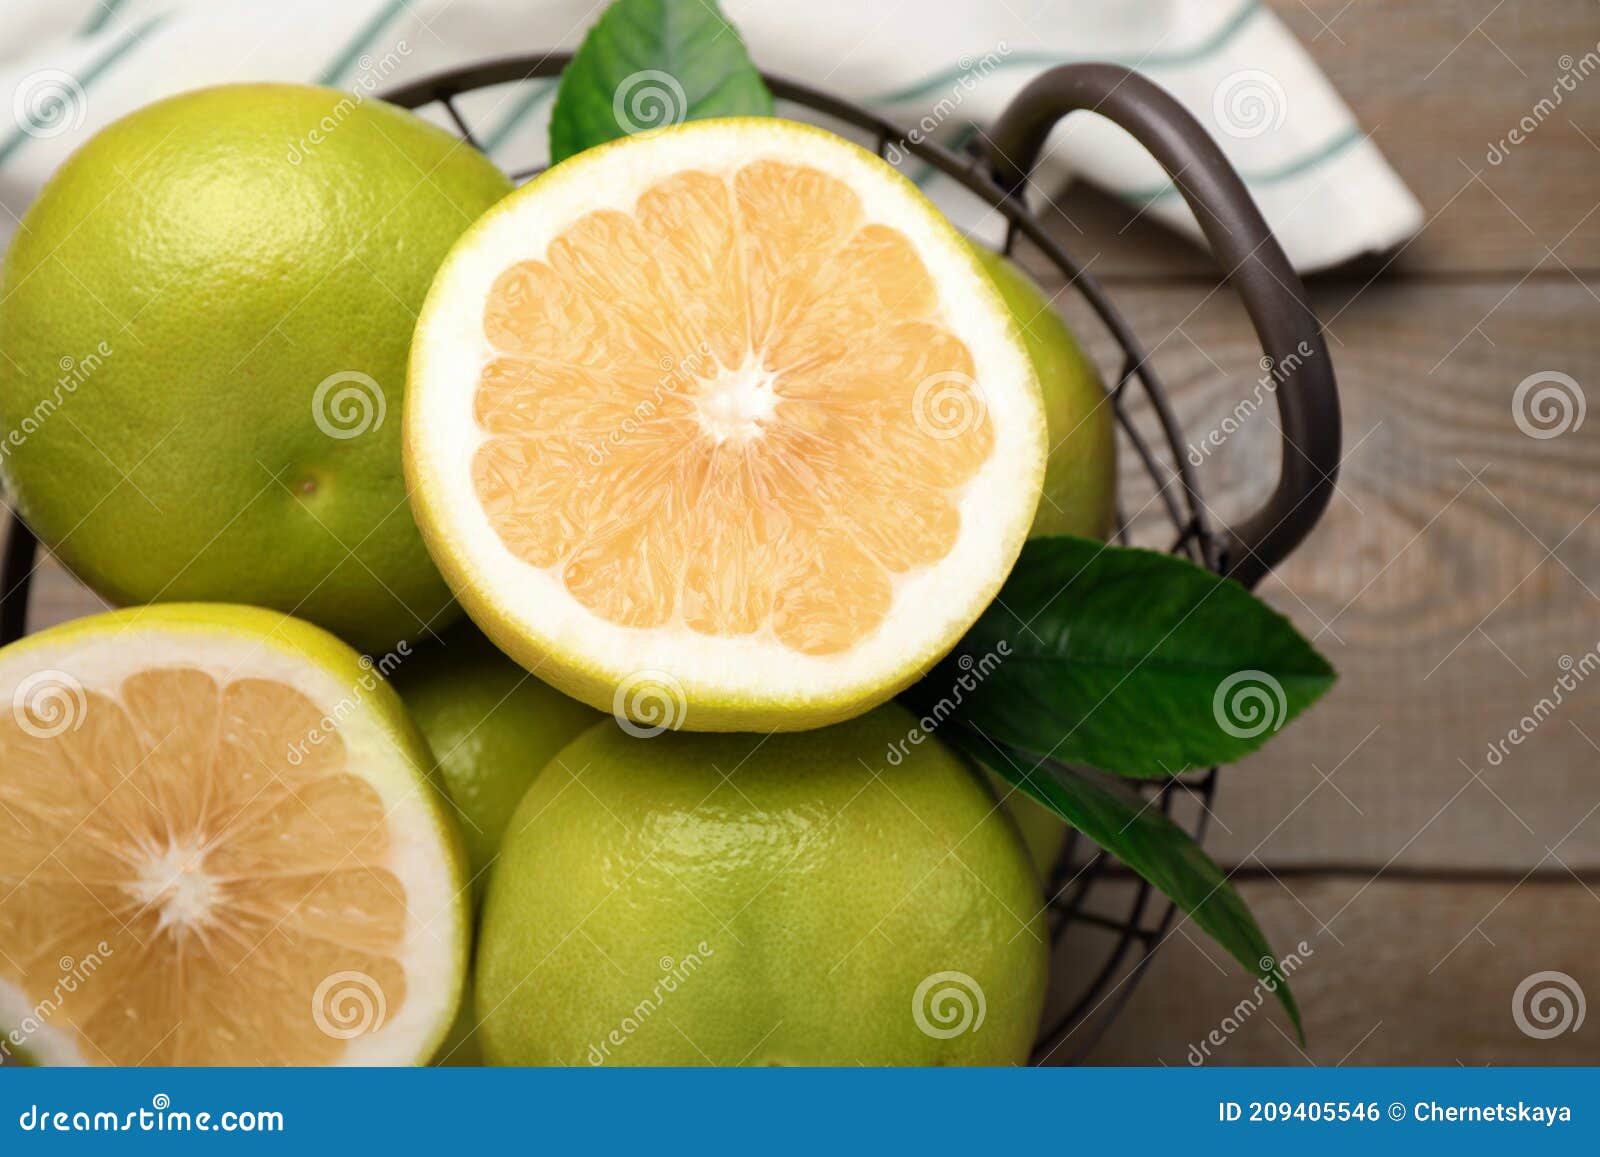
x: 944, y: 67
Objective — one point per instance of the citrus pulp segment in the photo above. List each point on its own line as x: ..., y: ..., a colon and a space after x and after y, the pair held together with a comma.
x: 218, y: 845
x: 730, y: 406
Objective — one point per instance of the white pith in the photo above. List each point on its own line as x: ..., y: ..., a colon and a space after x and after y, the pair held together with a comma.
x: 932, y: 605
x: 419, y: 855
x: 735, y: 404
x: 173, y: 882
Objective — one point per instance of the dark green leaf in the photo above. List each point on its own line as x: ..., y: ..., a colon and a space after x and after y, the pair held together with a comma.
x: 1115, y: 816
x: 650, y: 63
x: 1127, y: 660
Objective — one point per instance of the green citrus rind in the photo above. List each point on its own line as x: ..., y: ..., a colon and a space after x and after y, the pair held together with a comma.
x: 206, y: 315
x: 794, y: 899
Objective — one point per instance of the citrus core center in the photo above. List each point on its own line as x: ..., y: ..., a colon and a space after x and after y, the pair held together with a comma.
x: 226, y: 876
x: 735, y: 404
x: 177, y: 886
x: 785, y: 490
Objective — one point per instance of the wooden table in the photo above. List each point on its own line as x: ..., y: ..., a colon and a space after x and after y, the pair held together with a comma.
x: 1459, y: 563
x: 1454, y: 577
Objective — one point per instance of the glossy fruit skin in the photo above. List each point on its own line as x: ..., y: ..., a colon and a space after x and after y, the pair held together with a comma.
x: 1080, y: 478
x: 738, y: 899
x: 173, y: 301
x: 492, y: 727
x: 1041, y: 829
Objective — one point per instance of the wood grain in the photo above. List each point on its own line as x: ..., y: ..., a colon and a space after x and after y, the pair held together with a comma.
x: 1437, y: 82
x: 1457, y: 566
x: 1393, y: 971
x: 1458, y: 562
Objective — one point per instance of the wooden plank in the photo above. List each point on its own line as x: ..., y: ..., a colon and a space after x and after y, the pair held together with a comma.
x: 1456, y: 571
x: 1393, y: 972
x: 1429, y: 584
x: 1438, y: 82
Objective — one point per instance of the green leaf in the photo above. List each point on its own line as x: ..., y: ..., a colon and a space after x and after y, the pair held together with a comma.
x: 1127, y: 660
x: 650, y: 63
x: 1115, y: 816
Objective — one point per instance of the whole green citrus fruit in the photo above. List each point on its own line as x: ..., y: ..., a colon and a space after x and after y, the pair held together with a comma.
x: 492, y: 727
x: 1041, y: 829
x: 1080, y: 477
x: 732, y: 899
x: 206, y: 318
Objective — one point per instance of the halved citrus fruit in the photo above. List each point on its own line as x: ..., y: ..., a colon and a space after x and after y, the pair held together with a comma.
x: 219, y: 845
x: 722, y: 427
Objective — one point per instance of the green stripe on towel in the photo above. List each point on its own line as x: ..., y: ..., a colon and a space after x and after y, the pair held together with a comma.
x: 104, y: 10
x: 120, y: 48
x: 1341, y: 143
x: 539, y: 93
x: 1042, y: 60
x: 359, y: 43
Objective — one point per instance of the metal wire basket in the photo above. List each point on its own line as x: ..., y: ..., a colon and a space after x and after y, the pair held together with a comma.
x: 996, y: 170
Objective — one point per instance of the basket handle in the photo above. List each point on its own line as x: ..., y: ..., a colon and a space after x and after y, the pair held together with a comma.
x: 1290, y: 334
